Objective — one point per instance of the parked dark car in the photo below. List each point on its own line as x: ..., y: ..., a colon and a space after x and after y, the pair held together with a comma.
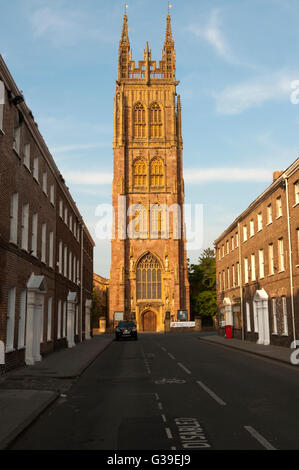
x: 126, y: 329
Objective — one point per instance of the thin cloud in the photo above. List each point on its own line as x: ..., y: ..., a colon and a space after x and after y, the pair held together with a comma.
x: 213, y: 34
x: 72, y: 148
x: 238, y: 98
x: 88, y: 178
x: 226, y: 175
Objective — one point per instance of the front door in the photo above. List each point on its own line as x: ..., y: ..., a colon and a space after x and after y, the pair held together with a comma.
x: 149, y: 321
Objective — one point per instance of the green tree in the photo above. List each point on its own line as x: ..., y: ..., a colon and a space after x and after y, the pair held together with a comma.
x: 202, y: 278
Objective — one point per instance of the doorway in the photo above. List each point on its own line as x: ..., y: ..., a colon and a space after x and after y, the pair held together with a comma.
x: 149, y: 321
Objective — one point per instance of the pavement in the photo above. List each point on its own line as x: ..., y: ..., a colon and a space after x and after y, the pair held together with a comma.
x: 28, y: 391
x: 276, y: 353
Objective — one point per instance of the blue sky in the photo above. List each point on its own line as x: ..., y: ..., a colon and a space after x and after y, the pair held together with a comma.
x: 236, y: 61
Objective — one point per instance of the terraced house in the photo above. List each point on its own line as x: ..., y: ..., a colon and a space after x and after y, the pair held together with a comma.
x: 46, y: 251
x: 258, y: 265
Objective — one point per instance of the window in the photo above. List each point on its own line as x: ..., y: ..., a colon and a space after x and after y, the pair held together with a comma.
x: 274, y: 314
x: 52, y: 195
x: 296, y: 185
x: 60, y: 257
x: 251, y: 228
x: 222, y: 251
x: 74, y: 268
x: 61, y: 208
x: 271, y: 259
x: 22, y: 319
x: 65, y: 215
x: 27, y: 156
x: 139, y: 121
x: 285, y: 316
x: 253, y: 275
x: 70, y: 265
x: 51, y: 249
x: 65, y: 262
x: 14, y: 209
x: 232, y: 243
x: 228, y: 278
x: 223, y: 280
x: 234, y: 275
x: 25, y: 227
x: 59, y: 320
x: 45, y: 182
x: 78, y: 272
x: 280, y: 255
x: 2, y: 103
x: 248, y: 322
x: 237, y: 239
x: 278, y: 207
x: 77, y: 320
x: 49, y: 326
x: 64, y: 319
x: 259, y: 222
x: 227, y: 247
x: 44, y: 234
x: 261, y: 263
x: 220, y: 282
x: 17, y: 140
x: 149, y: 278
x: 35, y: 169
x: 238, y: 274
x: 269, y: 214
x: 244, y: 233
x: 158, y: 221
x: 219, y: 253
x: 71, y: 223
x: 156, y: 120
x: 246, y: 276
x: 34, y: 235
x: 157, y: 172
x: 11, y: 315
x: 297, y: 246
x: 140, y: 172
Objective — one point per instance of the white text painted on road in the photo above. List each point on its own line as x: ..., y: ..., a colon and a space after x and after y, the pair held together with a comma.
x: 191, y: 434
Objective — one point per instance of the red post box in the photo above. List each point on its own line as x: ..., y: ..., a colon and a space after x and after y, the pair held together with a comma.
x: 228, y: 331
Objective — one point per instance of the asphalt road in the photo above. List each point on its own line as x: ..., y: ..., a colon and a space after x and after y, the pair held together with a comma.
x: 173, y: 392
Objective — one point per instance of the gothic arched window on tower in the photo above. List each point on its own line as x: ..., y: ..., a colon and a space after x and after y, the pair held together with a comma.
x: 157, y: 172
x: 139, y: 121
x: 140, y: 172
x: 156, y: 121
x: 148, y: 278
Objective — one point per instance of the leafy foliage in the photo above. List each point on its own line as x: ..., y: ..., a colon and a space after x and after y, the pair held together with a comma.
x: 202, y: 278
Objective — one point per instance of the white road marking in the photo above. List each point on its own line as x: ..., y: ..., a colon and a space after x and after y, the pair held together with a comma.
x: 184, y: 368
x: 173, y: 448
x: 211, y: 393
x: 169, y: 434
x: 170, y: 355
x: 157, y: 396
x: 259, y: 438
x: 164, y: 349
x: 164, y: 418
x: 160, y: 406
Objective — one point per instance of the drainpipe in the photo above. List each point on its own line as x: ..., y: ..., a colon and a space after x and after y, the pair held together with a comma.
x: 241, y: 283
x: 290, y: 257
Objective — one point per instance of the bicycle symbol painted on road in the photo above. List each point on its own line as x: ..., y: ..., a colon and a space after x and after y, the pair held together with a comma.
x: 170, y: 381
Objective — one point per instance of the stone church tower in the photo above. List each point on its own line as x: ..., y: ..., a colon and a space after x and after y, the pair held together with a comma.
x: 148, y: 279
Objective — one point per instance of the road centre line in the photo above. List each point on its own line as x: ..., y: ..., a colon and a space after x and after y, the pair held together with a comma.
x: 211, y: 393
x: 164, y: 418
x: 169, y: 434
x: 160, y: 405
x: 184, y: 368
x: 157, y: 397
x: 259, y: 438
x: 170, y: 355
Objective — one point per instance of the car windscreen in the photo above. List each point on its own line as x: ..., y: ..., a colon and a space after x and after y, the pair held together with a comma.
x: 126, y: 324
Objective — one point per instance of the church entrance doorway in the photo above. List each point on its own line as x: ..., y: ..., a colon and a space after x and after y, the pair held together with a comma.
x: 149, y: 321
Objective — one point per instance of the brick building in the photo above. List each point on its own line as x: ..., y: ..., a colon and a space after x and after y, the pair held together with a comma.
x: 257, y: 265
x: 101, y: 293
x: 45, y: 294
x: 148, y: 280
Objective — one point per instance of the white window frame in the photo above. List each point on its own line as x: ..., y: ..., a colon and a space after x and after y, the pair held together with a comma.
x: 27, y: 156
x: 45, y: 182
x: 70, y: 265
x: 274, y: 315
x: 14, y: 215
x: 17, y: 140
x: 36, y: 169
x: 49, y: 325
x: 238, y: 274
x: 260, y: 221
x: 245, y: 235
x: 65, y: 262
x: 251, y: 228
x: 51, y: 250
x: 2, y: 104
x: 60, y: 257
x: 44, y: 243
x: 228, y: 278
x: 271, y: 258
x: 64, y: 326
x: 11, y: 318
x: 22, y: 318
x: 278, y: 207
x: 246, y: 271
x: 296, y: 189
x: 269, y: 214
x: 281, y: 262
x: 52, y: 195
x: 59, y: 310
x: 248, y: 321
x: 261, y: 264
x: 34, y: 234
x: 61, y: 208
x: 232, y: 243
x: 253, y: 270
x: 25, y: 227
x: 234, y: 275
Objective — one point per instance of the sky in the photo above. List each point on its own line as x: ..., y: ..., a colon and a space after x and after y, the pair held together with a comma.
x: 237, y: 62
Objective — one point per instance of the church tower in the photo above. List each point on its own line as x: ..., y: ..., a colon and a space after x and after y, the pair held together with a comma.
x: 148, y: 279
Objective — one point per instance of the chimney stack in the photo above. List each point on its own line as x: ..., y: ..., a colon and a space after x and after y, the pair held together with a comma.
x: 276, y: 174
